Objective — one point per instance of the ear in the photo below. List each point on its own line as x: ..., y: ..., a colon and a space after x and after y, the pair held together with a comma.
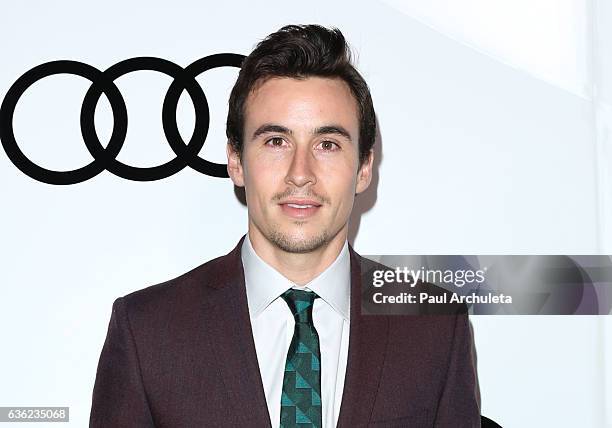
x: 364, y: 175
x: 234, y: 166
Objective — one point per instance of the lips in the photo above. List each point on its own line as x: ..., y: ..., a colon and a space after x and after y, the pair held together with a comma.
x: 300, y: 208
x: 301, y: 202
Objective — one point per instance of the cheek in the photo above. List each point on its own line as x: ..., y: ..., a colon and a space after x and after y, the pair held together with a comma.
x: 343, y: 191
x: 341, y: 167
x: 341, y: 175
x: 261, y: 182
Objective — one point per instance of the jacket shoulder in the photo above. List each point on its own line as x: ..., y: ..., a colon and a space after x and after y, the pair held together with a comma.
x: 184, y: 291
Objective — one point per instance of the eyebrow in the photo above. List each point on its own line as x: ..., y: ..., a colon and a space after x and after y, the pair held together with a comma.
x: 333, y: 129
x: 269, y: 128
x: 321, y: 130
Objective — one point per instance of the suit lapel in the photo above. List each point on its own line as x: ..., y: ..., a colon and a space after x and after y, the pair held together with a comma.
x: 229, y: 326
x: 366, y: 354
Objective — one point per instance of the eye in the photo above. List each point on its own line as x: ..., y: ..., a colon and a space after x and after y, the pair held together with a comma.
x: 275, y: 141
x: 328, y: 146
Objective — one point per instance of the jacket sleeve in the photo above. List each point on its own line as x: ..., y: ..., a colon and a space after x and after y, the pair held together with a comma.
x: 119, y: 398
x: 459, y: 404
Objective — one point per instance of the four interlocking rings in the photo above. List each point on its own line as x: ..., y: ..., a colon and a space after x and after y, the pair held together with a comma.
x: 105, y: 158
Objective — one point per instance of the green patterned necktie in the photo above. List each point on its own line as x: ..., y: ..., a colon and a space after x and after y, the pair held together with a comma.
x: 301, y: 397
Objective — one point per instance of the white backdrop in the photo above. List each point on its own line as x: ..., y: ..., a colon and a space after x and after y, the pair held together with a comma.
x: 495, y: 130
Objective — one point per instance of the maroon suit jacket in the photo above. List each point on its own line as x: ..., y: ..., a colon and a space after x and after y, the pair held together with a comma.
x: 181, y: 354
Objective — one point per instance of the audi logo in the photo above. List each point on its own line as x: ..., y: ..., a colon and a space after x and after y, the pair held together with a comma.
x: 105, y: 158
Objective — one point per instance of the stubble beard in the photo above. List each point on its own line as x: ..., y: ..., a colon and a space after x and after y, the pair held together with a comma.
x: 291, y: 244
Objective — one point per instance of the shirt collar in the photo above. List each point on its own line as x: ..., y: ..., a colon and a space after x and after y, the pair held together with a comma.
x: 264, y: 283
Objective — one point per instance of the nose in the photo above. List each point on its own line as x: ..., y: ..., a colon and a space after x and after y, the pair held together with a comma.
x: 301, y: 169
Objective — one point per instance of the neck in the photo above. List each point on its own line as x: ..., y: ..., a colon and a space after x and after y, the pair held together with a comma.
x: 299, y: 268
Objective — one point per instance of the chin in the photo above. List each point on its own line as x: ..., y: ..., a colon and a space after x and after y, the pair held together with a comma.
x: 298, y: 242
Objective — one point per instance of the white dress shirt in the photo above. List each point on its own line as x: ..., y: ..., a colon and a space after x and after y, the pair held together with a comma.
x: 273, y: 325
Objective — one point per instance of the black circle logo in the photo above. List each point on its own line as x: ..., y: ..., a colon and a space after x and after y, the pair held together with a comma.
x: 105, y: 158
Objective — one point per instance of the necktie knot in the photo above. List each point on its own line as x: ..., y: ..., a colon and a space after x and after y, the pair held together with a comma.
x: 300, y: 302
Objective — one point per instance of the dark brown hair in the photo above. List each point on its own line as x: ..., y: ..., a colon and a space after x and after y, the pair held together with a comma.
x: 301, y: 51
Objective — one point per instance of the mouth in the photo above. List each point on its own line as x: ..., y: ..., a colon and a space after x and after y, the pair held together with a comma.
x: 300, y: 208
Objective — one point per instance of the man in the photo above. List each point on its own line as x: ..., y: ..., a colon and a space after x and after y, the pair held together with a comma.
x: 271, y: 334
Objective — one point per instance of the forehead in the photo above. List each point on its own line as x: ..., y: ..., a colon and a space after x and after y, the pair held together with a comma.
x: 302, y: 101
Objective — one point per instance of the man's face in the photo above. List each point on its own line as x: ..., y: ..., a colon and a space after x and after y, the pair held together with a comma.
x: 300, y: 161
